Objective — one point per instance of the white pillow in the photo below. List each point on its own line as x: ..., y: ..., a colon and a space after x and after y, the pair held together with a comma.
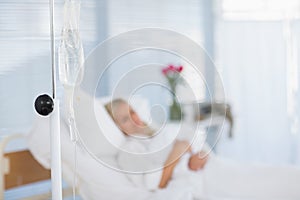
x: 97, y: 130
x: 108, y: 127
x: 88, y: 113
x: 38, y: 140
x: 105, y: 122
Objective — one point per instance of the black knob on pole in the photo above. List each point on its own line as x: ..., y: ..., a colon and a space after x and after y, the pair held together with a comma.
x: 44, y: 104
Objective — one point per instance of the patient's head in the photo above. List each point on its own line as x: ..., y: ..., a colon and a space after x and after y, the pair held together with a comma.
x: 126, y: 118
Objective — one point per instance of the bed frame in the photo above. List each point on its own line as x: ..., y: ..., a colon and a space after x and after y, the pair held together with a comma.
x: 20, y: 168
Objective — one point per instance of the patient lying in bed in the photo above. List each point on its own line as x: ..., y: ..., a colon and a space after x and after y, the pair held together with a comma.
x: 137, y: 131
x: 212, y: 178
x: 205, y: 176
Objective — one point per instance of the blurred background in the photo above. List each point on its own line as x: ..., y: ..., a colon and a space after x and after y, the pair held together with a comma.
x: 255, y: 45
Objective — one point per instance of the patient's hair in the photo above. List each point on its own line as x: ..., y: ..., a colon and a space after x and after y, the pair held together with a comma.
x: 112, y: 107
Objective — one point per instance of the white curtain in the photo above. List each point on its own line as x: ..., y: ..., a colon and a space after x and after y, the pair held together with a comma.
x: 258, y: 61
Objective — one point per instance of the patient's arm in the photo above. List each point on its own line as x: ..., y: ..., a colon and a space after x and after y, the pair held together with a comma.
x: 180, y: 147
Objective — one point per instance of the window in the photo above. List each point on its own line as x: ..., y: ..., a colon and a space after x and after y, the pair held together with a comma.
x: 259, y: 9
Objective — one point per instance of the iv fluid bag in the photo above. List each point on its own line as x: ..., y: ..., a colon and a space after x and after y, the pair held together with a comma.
x: 70, y: 52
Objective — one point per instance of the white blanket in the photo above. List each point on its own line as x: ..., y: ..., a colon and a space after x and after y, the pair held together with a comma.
x: 225, y: 179
x: 220, y: 179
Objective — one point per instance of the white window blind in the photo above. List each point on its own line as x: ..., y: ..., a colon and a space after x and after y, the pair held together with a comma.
x: 259, y: 9
x: 25, y: 63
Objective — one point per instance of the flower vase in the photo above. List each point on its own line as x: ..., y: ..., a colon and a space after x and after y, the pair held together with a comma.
x: 173, y: 76
x: 175, y: 111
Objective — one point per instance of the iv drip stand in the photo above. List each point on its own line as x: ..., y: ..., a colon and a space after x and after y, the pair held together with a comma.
x: 56, y: 178
x: 49, y: 106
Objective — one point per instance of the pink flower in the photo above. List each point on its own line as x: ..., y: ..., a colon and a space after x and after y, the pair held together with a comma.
x: 172, y: 74
x: 179, y: 69
x: 165, y: 71
x: 171, y: 69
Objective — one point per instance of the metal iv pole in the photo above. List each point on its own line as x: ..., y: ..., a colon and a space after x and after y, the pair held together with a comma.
x: 45, y: 105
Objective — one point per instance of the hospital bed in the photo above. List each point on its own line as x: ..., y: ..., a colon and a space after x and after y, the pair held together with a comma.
x: 98, y: 179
